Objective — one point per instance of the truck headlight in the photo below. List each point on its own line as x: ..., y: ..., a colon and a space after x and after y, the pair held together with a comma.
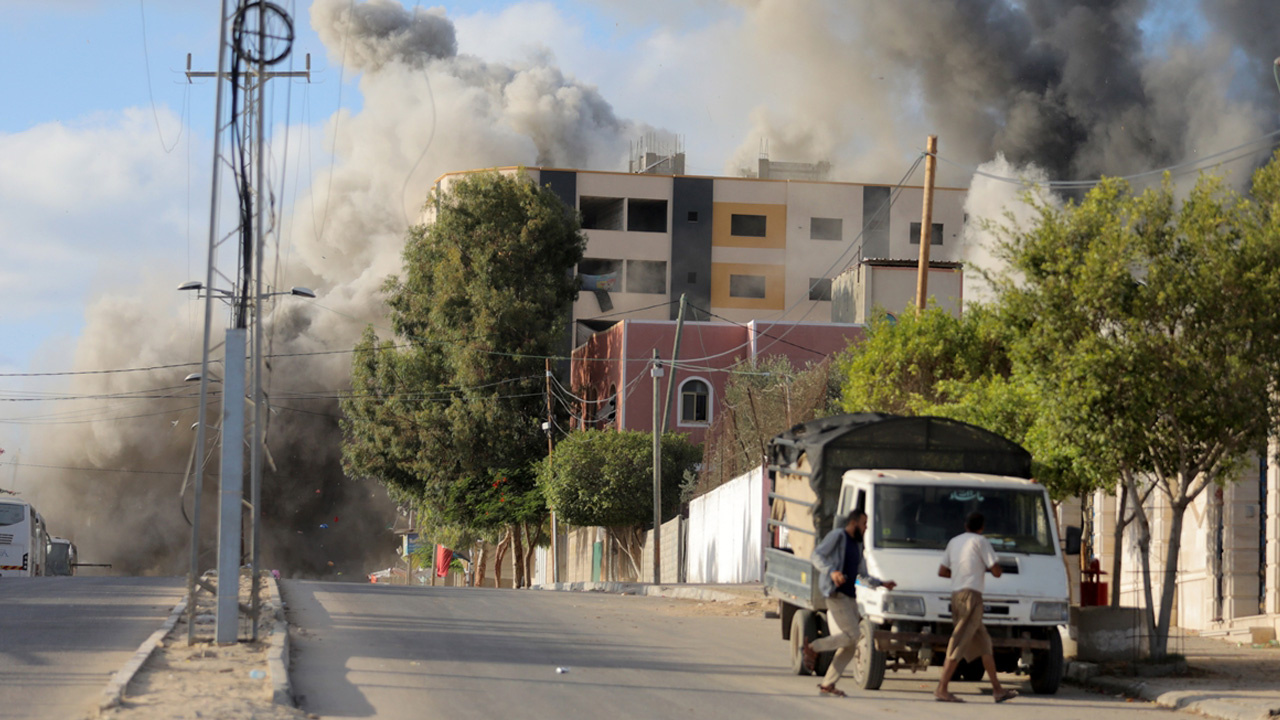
x: 1048, y: 612
x: 903, y: 605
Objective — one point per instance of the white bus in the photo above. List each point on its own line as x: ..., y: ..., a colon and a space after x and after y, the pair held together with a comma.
x: 24, y: 541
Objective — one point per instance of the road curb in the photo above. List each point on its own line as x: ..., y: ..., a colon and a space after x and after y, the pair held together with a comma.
x: 1197, y: 701
x: 278, y: 652
x: 682, y: 592
x: 114, y: 690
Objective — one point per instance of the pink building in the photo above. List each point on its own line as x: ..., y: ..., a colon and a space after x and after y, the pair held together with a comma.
x: 610, y: 371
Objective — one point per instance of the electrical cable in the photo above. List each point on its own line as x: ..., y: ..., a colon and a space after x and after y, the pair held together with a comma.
x: 337, y: 116
x: 146, y: 59
x: 1189, y: 166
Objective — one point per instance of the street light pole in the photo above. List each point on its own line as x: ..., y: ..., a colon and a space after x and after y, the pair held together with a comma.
x: 656, y: 373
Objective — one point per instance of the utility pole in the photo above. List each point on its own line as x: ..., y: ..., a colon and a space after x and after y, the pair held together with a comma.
x: 675, y: 355
x: 555, y: 531
x: 252, y: 37
x: 926, y: 223
x: 656, y: 373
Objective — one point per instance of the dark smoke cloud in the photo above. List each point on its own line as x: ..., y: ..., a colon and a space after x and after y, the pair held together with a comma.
x: 1073, y: 86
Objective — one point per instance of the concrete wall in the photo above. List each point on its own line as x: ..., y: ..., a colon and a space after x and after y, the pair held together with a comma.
x: 727, y: 531
x: 673, y: 553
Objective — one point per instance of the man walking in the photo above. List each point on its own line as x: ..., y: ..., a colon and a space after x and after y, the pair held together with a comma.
x: 839, y: 563
x: 967, y: 560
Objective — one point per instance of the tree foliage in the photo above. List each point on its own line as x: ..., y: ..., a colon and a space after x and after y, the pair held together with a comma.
x: 1148, y: 325
x: 447, y: 415
x: 603, y: 477
x: 932, y: 363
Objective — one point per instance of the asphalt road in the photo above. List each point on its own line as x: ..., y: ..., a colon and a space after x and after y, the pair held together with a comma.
x: 61, y: 638
x: 363, y: 650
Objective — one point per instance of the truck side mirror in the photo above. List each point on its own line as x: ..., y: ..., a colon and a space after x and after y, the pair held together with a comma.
x: 1073, y: 540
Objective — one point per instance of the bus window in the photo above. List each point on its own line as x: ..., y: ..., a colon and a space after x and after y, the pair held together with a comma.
x: 12, y: 514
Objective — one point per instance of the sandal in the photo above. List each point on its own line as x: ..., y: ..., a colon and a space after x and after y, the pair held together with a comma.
x: 808, y: 656
x: 1006, y: 695
x: 831, y: 690
x: 950, y: 698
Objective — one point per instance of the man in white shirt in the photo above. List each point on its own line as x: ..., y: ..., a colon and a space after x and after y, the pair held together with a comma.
x: 967, y: 560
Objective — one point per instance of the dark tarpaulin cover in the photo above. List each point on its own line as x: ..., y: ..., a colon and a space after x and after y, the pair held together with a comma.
x: 889, y: 442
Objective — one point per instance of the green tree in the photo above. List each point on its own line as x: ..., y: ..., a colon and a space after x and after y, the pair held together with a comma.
x: 447, y: 415
x: 1150, y: 330
x: 603, y: 477
x: 932, y: 363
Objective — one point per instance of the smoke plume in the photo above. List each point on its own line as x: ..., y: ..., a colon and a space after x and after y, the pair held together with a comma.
x: 1073, y: 88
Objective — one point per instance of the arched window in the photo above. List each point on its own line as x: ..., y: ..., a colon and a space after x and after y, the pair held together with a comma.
x: 695, y: 402
x: 607, y: 413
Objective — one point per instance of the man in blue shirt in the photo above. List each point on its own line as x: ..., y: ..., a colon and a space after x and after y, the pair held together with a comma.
x: 839, y: 563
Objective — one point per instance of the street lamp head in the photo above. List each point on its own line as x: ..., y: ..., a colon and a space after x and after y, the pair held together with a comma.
x: 191, y: 285
x: 303, y: 292
x: 195, y: 377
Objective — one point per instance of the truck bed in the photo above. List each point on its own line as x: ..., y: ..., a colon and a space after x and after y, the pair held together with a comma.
x: 790, y: 578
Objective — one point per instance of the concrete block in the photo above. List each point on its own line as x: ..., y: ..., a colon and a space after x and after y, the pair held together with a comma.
x: 1262, y: 635
x: 1106, y: 634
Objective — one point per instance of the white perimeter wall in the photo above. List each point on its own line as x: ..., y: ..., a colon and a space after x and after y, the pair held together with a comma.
x: 726, y: 532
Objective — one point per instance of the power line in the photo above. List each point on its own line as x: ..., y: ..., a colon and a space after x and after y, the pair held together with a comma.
x: 91, y: 469
x: 1188, y: 166
x: 146, y: 59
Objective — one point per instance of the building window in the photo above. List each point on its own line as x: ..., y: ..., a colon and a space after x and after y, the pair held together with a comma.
x: 875, y: 221
x: 647, y: 276
x: 826, y: 228
x: 820, y: 289
x: 695, y: 402
x: 747, y: 286
x: 748, y: 225
x: 935, y: 238
x: 600, y: 274
x: 693, y: 216
x: 601, y: 213
x: 646, y: 215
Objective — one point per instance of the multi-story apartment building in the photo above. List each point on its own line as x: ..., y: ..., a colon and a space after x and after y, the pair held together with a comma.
x: 744, y: 249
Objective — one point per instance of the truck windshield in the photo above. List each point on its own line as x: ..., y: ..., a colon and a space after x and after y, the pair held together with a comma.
x: 11, y: 514
x: 927, y: 516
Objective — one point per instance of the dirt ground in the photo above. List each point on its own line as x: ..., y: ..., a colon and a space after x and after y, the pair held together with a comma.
x: 205, y: 680
x: 719, y: 608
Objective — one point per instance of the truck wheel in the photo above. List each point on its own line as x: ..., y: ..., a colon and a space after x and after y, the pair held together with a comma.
x: 1046, y: 666
x: 868, y: 665
x: 970, y: 670
x: 804, y: 625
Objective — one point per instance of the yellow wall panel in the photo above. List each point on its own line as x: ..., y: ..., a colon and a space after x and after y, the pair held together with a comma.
x: 775, y: 286
x: 775, y: 225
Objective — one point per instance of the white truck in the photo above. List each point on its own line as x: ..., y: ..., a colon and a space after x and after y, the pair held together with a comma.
x: 917, y: 478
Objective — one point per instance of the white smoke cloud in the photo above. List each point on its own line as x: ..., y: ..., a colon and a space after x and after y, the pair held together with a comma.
x: 995, y: 205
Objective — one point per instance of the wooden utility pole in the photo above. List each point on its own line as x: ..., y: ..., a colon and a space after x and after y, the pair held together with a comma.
x: 675, y: 355
x: 555, y: 534
x: 926, y: 223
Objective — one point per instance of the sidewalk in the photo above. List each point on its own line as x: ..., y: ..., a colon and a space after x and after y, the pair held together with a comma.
x: 1225, y: 680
